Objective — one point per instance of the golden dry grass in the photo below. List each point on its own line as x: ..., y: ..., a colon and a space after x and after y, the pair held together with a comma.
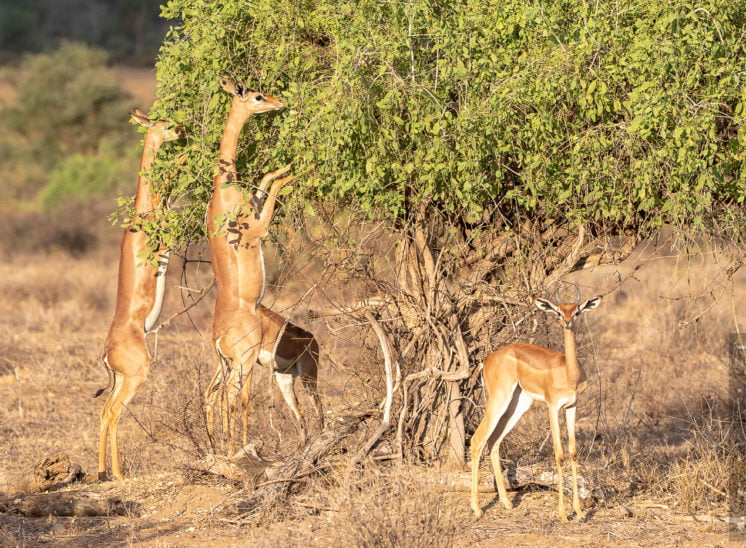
x: 655, y: 444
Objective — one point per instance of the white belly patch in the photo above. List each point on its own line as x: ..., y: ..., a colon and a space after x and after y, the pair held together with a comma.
x: 535, y: 397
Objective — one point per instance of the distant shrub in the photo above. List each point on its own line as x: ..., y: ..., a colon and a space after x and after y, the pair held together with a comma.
x: 68, y: 99
x: 67, y: 132
x: 82, y: 175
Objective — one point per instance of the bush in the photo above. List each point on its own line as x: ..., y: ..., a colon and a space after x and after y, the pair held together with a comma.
x: 82, y: 175
x: 68, y: 100
x: 68, y: 128
x: 623, y: 116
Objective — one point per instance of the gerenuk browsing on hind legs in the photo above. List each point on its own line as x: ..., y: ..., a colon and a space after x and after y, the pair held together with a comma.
x: 140, y: 292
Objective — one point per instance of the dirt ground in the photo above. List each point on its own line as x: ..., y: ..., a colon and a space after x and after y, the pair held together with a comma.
x: 166, y: 510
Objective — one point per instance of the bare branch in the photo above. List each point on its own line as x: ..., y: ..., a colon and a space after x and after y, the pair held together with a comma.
x: 386, y: 421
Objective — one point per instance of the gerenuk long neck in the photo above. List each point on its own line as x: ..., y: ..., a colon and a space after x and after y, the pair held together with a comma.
x: 229, y: 144
x: 146, y: 201
x: 225, y: 200
x: 574, y: 371
x: 141, y: 285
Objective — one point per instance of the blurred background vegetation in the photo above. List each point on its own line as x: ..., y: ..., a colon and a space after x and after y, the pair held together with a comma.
x: 66, y: 146
x: 131, y: 31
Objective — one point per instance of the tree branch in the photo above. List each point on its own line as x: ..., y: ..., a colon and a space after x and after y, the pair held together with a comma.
x: 386, y: 421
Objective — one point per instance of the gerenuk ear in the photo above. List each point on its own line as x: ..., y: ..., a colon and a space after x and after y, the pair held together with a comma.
x: 546, y: 306
x: 140, y: 117
x: 590, y: 304
x: 228, y: 85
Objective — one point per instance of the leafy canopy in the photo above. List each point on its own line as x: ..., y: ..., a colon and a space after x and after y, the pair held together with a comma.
x: 624, y: 115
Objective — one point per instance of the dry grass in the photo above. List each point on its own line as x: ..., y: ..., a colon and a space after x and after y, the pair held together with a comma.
x: 407, y: 507
x: 653, y: 424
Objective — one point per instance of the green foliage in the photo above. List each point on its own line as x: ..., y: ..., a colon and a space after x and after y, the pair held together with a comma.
x: 66, y: 129
x: 82, y: 176
x: 68, y: 100
x: 624, y: 115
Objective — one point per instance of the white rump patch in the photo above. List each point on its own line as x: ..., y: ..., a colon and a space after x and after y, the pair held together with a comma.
x: 160, y: 292
x: 264, y: 273
x: 217, y: 347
